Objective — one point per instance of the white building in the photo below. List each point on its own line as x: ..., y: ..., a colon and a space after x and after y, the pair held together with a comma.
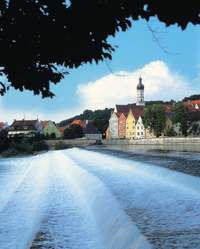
x: 25, y: 128
x: 140, y: 93
x: 91, y: 132
x: 113, y: 126
x: 139, y: 129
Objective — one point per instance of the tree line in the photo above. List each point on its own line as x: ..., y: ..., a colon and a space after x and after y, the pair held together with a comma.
x: 155, y: 118
x: 100, y: 118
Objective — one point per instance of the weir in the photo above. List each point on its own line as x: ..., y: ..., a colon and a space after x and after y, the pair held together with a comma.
x: 58, y: 204
x: 163, y: 203
x: 77, y: 199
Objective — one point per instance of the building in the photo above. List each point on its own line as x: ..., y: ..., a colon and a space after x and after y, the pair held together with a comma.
x: 192, y: 105
x: 123, y: 120
x: 3, y: 126
x: 140, y: 93
x: 139, y: 129
x: 107, y: 134
x: 122, y: 125
x: 149, y: 133
x: 113, y: 126
x: 130, y: 125
x: 91, y: 132
x: 50, y: 129
x: 25, y: 128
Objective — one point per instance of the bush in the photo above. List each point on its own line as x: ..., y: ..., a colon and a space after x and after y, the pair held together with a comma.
x: 10, y: 152
x: 74, y: 131
x: 60, y: 146
x: 170, y: 132
x: 39, y: 145
x: 24, y: 147
x: 4, y: 142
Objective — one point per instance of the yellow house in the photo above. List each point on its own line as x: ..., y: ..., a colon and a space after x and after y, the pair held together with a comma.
x: 130, y: 126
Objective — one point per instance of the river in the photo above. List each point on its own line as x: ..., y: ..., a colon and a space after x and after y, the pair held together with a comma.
x: 116, y: 198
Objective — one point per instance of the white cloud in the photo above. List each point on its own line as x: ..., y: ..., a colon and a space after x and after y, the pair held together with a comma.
x: 160, y: 83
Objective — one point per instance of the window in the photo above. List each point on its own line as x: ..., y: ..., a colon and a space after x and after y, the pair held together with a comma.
x: 138, y: 133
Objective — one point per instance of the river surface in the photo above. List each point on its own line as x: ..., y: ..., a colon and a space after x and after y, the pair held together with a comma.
x: 116, y: 198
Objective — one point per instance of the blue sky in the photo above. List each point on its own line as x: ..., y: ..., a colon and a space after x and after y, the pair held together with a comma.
x: 166, y: 75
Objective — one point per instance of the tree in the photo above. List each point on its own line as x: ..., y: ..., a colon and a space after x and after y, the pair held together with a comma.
x: 181, y: 116
x: 74, y: 131
x: 192, y: 97
x: 39, y: 38
x: 100, y: 118
x: 155, y: 119
x: 4, y: 141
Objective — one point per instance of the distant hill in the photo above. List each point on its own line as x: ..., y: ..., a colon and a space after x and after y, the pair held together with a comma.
x: 192, y: 97
x: 100, y: 118
x: 152, y: 102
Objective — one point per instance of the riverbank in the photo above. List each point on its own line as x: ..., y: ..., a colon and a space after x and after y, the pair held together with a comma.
x: 152, y: 141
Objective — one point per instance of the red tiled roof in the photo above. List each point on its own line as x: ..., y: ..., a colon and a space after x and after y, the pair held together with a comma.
x: 194, y: 102
x: 44, y: 123
x: 24, y: 122
x: 136, y: 110
x: 77, y: 122
x: 191, y: 105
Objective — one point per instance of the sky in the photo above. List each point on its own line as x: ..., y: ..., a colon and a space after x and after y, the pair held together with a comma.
x: 168, y: 61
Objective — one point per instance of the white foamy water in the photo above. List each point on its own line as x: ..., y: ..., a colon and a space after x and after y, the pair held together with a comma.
x: 61, y: 205
x: 165, y: 204
x: 78, y: 199
x: 21, y: 214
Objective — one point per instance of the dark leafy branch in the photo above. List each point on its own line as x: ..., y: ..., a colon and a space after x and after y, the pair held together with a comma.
x: 38, y: 35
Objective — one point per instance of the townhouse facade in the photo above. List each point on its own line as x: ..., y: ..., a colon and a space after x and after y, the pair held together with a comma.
x: 126, y: 120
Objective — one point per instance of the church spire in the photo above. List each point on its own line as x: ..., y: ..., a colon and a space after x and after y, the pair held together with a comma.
x: 140, y: 93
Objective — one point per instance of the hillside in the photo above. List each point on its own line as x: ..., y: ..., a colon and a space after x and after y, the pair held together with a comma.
x: 100, y: 118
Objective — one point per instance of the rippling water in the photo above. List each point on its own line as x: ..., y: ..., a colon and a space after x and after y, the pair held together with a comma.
x: 79, y: 199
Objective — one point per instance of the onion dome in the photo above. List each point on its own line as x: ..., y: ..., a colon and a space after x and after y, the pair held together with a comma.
x: 140, y: 86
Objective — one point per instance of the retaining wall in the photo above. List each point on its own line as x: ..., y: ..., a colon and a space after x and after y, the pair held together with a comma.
x: 71, y: 142
x: 166, y: 140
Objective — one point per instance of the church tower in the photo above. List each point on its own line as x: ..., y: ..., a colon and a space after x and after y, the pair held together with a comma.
x: 140, y: 93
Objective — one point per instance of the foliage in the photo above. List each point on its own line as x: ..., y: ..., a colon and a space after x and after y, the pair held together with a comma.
x: 193, y: 116
x: 154, y: 118
x: 23, y: 145
x: 60, y: 145
x: 39, y: 145
x: 161, y: 102
x: 100, y: 118
x: 74, y: 131
x: 44, y: 36
x: 192, y: 97
x: 169, y: 132
x: 4, y: 142
x: 181, y: 116
x: 194, y: 129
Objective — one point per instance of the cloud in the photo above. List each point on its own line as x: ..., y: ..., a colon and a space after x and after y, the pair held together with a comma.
x: 160, y: 82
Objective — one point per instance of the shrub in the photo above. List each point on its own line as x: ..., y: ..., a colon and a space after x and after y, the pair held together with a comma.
x: 60, y: 146
x: 39, y: 145
x: 74, y: 131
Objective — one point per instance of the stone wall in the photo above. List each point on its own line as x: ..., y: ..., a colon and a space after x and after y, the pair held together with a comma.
x: 165, y: 140
x: 71, y: 142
